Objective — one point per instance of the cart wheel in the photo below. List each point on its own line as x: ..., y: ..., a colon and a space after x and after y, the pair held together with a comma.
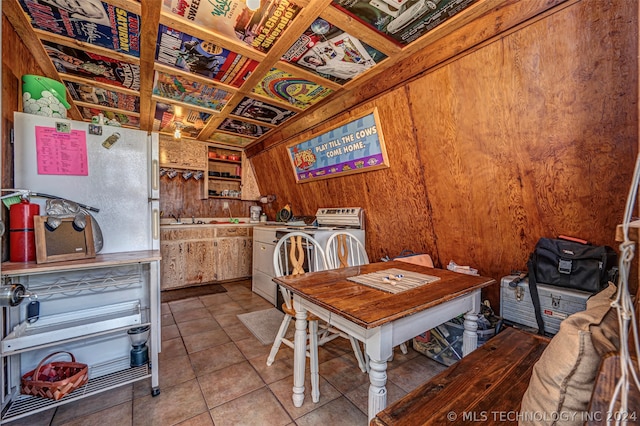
x: 155, y: 391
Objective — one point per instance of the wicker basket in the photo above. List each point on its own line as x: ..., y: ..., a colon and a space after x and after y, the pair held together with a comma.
x: 55, y: 379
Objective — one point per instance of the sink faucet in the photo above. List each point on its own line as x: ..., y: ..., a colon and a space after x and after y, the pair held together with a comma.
x: 177, y: 218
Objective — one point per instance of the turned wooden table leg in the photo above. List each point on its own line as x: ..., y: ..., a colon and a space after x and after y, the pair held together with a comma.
x: 377, y: 388
x: 299, y: 355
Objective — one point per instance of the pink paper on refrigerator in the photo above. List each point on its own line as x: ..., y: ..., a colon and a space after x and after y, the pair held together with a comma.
x: 61, y: 153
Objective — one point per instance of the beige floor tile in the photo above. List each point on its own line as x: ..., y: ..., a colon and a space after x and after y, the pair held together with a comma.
x: 343, y: 373
x: 283, y: 390
x: 339, y: 412
x: 257, y: 408
x: 175, y: 370
x: 238, y: 332
x: 167, y: 319
x: 229, y: 383
x: 251, y: 347
x: 169, y: 332
x: 175, y: 404
x: 203, y: 419
x: 281, y: 368
x: 215, y: 299
x: 414, y: 372
x: 92, y: 404
x: 215, y: 358
x: 360, y: 396
x: 191, y: 314
x: 120, y: 415
x: 208, y: 339
x: 172, y: 348
x: 142, y: 388
x: 185, y: 304
x: 228, y: 308
x: 225, y: 320
x: 165, y: 309
x: 256, y: 305
x: 201, y: 325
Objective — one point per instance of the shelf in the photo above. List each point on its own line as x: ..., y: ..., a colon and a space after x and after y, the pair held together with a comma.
x: 225, y: 198
x: 71, y: 326
x: 219, y: 160
x: 236, y: 180
x: 24, y: 405
x: 100, y: 261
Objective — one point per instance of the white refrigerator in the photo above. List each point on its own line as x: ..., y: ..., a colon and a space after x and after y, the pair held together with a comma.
x: 62, y: 158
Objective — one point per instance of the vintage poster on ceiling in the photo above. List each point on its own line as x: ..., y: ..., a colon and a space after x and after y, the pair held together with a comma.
x: 402, y: 21
x: 230, y: 139
x: 331, y: 53
x: 89, y: 21
x: 259, y: 29
x: 111, y: 118
x: 243, y: 128
x: 284, y: 87
x: 166, y: 115
x: 99, y: 96
x: 350, y: 147
x: 192, y: 92
x: 262, y: 111
x: 92, y: 66
x: 192, y: 54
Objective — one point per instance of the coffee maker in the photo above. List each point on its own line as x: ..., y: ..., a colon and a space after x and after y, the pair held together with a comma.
x: 255, y: 214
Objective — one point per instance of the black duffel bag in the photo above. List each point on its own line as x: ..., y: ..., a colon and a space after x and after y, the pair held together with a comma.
x: 569, y: 263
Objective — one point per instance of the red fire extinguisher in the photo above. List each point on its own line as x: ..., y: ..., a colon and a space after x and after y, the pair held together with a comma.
x: 22, y: 241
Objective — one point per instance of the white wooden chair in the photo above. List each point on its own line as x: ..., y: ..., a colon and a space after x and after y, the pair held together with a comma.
x: 343, y: 249
x: 297, y: 253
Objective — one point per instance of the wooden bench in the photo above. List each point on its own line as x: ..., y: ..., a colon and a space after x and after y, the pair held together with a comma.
x: 488, y: 382
x: 487, y: 386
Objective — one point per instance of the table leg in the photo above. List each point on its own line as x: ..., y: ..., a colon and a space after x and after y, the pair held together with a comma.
x: 313, y: 364
x: 470, y: 334
x: 377, y: 388
x: 299, y: 355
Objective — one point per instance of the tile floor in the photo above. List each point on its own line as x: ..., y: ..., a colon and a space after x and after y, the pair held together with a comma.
x: 213, y: 372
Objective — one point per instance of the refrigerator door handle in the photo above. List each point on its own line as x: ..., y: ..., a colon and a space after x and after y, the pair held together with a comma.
x: 155, y: 175
x: 155, y: 223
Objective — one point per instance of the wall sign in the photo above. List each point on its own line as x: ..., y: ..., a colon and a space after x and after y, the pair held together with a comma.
x: 350, y: 147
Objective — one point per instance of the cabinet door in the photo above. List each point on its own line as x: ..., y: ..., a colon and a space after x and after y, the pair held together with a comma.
x: 173, y: 264
x: 245, y: 256
x: 200, y: 261
x: 184, y: 153
x: 226, y: 254
x: 250, y: 190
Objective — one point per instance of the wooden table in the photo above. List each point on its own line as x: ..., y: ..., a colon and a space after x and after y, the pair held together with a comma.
x: 380, y: 319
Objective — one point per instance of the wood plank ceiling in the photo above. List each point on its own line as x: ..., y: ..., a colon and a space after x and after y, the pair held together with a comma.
x: 218, y: 71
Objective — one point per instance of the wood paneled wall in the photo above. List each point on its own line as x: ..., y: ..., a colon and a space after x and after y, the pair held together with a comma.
x: 533, y: 134
x: 181, y: 197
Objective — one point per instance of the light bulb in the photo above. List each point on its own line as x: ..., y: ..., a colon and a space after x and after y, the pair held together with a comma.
x: 253, y: 4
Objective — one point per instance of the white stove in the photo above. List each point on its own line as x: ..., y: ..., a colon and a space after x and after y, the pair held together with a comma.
x: 328, y: 221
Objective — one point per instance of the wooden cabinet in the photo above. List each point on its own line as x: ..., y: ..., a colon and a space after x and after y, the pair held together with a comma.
x: 233, y: 253
x: 183, y: 154
x: 188, y: 256
x: 195, y: 255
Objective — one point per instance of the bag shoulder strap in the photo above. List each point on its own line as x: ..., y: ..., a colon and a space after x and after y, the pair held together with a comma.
x: 533, y: 290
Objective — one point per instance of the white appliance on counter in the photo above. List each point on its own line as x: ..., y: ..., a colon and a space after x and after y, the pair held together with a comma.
x: 265, y: 238
x: 123, y: 181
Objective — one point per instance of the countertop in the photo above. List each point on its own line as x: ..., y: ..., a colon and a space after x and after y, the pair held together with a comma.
x: 207, y: 221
